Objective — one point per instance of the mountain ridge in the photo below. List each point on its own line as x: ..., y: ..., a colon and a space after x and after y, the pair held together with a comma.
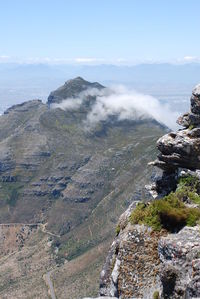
x: 75, y: 183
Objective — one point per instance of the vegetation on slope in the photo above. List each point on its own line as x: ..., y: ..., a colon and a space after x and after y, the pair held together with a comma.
x: 170, y: 212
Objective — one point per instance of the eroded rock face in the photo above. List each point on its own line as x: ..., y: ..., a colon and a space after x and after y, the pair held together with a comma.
x: 132, y: 266
x: 192, y: 118
x: 180, y: 149
x: 142, y: 263
x: 180, y: 264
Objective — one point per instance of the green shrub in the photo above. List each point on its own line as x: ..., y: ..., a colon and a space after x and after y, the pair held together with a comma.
x: 193, y: 216
x: 156, y: 295
x: 189, y: 181
x: 186, y: 192
x: 168, y: 213
x: 189, y: 187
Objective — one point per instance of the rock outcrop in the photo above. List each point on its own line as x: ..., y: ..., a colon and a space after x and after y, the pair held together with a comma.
x: 142, y: 263
x: 180, y: 149
x: 132, y: 266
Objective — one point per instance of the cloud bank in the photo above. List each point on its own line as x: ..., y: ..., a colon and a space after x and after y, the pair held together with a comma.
x: 125, y: 103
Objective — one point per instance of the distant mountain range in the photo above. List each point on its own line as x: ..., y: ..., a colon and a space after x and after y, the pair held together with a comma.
x: 162, y: 73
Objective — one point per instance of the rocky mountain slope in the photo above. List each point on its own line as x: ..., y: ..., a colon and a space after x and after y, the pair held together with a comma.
x: 156, y: 253
x: 73, y: 180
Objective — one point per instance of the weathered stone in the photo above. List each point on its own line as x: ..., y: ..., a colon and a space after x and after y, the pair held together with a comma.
x: 180, y: 263
x: 184, y: 120
x: 189, y: 119
x: 132, y: 265
x: 195, y: 100
x: 180, y: 149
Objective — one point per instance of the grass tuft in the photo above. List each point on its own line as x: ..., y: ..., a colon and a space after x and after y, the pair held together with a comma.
x: 117, y: 230
x: 191, y: 127
x: 156, y: 295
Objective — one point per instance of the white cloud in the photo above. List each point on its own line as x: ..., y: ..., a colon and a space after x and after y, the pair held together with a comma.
x: 191, y: 58
x: 69, y: 104
x: 126, y: 104
x: 88, y: 60
x: 4, y: 57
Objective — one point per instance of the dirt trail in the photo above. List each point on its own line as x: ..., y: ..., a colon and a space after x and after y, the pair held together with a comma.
x: 48, y: 280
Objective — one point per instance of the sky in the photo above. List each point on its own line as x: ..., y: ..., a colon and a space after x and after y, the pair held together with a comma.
x: 99, y: 31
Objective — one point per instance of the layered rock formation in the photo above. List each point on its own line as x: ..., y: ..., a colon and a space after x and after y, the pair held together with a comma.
x: 180, y: 149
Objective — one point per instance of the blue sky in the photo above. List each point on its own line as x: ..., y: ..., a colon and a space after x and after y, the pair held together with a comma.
x: 99, y: 31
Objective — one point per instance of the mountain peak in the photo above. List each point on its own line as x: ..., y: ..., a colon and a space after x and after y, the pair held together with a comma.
x: 71, y: 89
x: 80, y: 79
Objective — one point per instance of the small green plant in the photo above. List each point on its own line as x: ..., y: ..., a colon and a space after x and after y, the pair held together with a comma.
x: 191, y: 127
x: 189, y: 187
x: 117, y: 230
x: 156, y: 295
x: 189, y: 181
x: 113, y: 262
x: 186, y: 192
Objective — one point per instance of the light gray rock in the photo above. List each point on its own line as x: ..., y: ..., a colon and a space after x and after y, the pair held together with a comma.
x: 196, y: 90
x: 180, y: 264
x: 195, y: 100
x: 131, y: 269
x: 189, y: 119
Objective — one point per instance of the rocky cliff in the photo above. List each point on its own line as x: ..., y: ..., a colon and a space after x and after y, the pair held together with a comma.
x: 180, y: 149
x: 156, y: 253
